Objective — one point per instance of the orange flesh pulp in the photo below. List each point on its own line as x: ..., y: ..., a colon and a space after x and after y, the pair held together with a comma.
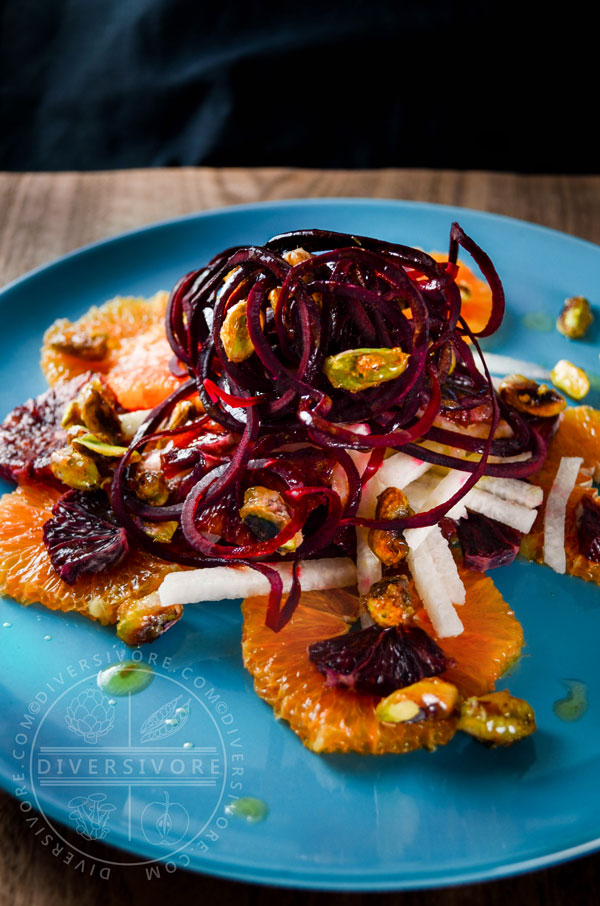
x: 136, y: 363
x: 329, y: 719
x: 27, y: 575
x: 578, y: 434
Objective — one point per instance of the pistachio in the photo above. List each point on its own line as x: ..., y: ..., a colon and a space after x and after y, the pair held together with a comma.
x: 161, y: 531
x: 266, y: 515
x: 75, y: 469
x: 389, y: 601
x: 151, y: 487
x: 234, y: 334
x: 98, y: 410
x: 359, y: 369
x: 390, y: 546
x: 431, y: 697
x: 296, y: 256
x: 526, y: 395
x: 74, y: 341
x: 570, y: 379
x: 497, y: 719
x: 183, y: 411
x: 145, y: 619
x: 100, y: 447
x: 575, y: 318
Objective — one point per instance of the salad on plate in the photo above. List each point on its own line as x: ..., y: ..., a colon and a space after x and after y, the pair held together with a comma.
x: 309, y: 425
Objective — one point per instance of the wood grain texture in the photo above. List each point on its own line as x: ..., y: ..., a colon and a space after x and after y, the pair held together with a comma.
x: 44, y: 216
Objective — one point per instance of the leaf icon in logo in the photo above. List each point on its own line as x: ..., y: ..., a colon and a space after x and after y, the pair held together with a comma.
x: 165, y: 721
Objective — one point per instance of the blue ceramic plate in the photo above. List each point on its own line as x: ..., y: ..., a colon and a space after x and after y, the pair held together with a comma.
x: 153, y: 773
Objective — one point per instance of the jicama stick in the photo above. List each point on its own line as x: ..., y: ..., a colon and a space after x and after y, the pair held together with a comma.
x: 555, y: 515
x: 218, y: 583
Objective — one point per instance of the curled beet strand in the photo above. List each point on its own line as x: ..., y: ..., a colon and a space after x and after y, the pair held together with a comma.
x: 378, y: 661
x: 588, y: 528
x: 82, y: 537
x: 487, y: 543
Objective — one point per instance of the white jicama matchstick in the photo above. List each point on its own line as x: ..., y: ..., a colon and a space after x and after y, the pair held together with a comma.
x: 433, y: 593
x: 556, y: 510
x: 397, y: 471
x: 219, y: 583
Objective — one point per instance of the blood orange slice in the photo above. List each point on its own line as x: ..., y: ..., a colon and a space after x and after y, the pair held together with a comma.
x: 340, y: 720
x: 27, y: 575
x: 123, y: 339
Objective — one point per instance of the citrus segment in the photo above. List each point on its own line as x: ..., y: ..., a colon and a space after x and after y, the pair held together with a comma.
x: 475, y: 294
x: 127, y: 335
x: 578, y: 434
x: 329, y: 719
x: 27, y: 575
x: 492, y: 639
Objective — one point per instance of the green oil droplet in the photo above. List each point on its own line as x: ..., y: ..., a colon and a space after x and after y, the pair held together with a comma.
x: 125, y: 678
x: 249, y: 809
x: 7, y: 625
x: 538, y: 320
x: 188, y: 745
x: 575, y: 703
x: 47, y: 638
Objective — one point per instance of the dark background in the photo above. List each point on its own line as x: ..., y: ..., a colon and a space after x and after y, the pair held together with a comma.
x: 95, y: 84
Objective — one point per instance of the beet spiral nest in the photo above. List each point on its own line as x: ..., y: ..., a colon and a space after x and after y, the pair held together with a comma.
x: 263, y: 334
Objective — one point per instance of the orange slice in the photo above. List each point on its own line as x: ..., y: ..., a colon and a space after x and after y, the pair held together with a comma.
x: 329, y: 719
x: 27, y: 575
x: 136, y: 361
x: 578, y: 434
x: 475, y: 294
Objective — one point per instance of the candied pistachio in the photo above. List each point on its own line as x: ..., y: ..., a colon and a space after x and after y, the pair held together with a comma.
x: 497, y: 719
x: 575, y: 318
x: 570, y: 379
x: 183, y: 411
x: 145, y: 619
x: 430, y: 697
x: 98, y: 410
x: 100, y: 447
x: 273, y: 297
x: 234, y: 334
x: 151, y: 487
x: 73, y: 340
x: 75, y: 469
x: 526, y: 395
x: 359, y: 369
x: 389, y: 601
x: 390, y: 546
x: 296, y: 256
x: 266, y: 515
x: 161, y: 531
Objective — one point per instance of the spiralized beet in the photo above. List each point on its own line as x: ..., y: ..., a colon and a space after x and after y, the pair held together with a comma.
x: 487, y: 543
x: 343, y: 292
x: 378, y: 661
x: 82, y: 535
x: 31, y: 432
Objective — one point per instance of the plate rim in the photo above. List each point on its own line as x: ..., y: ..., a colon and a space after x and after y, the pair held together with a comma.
x: 320, y: 878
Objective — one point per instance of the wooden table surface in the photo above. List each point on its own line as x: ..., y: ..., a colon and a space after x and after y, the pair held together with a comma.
x: 44, y: 216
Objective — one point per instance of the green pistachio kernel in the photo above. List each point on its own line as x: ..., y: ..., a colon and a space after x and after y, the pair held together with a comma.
x: 75, y: 469
x: 575, y: 318
x: 359, y: 369
x: 234, y: 334
x: 100, y: 447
